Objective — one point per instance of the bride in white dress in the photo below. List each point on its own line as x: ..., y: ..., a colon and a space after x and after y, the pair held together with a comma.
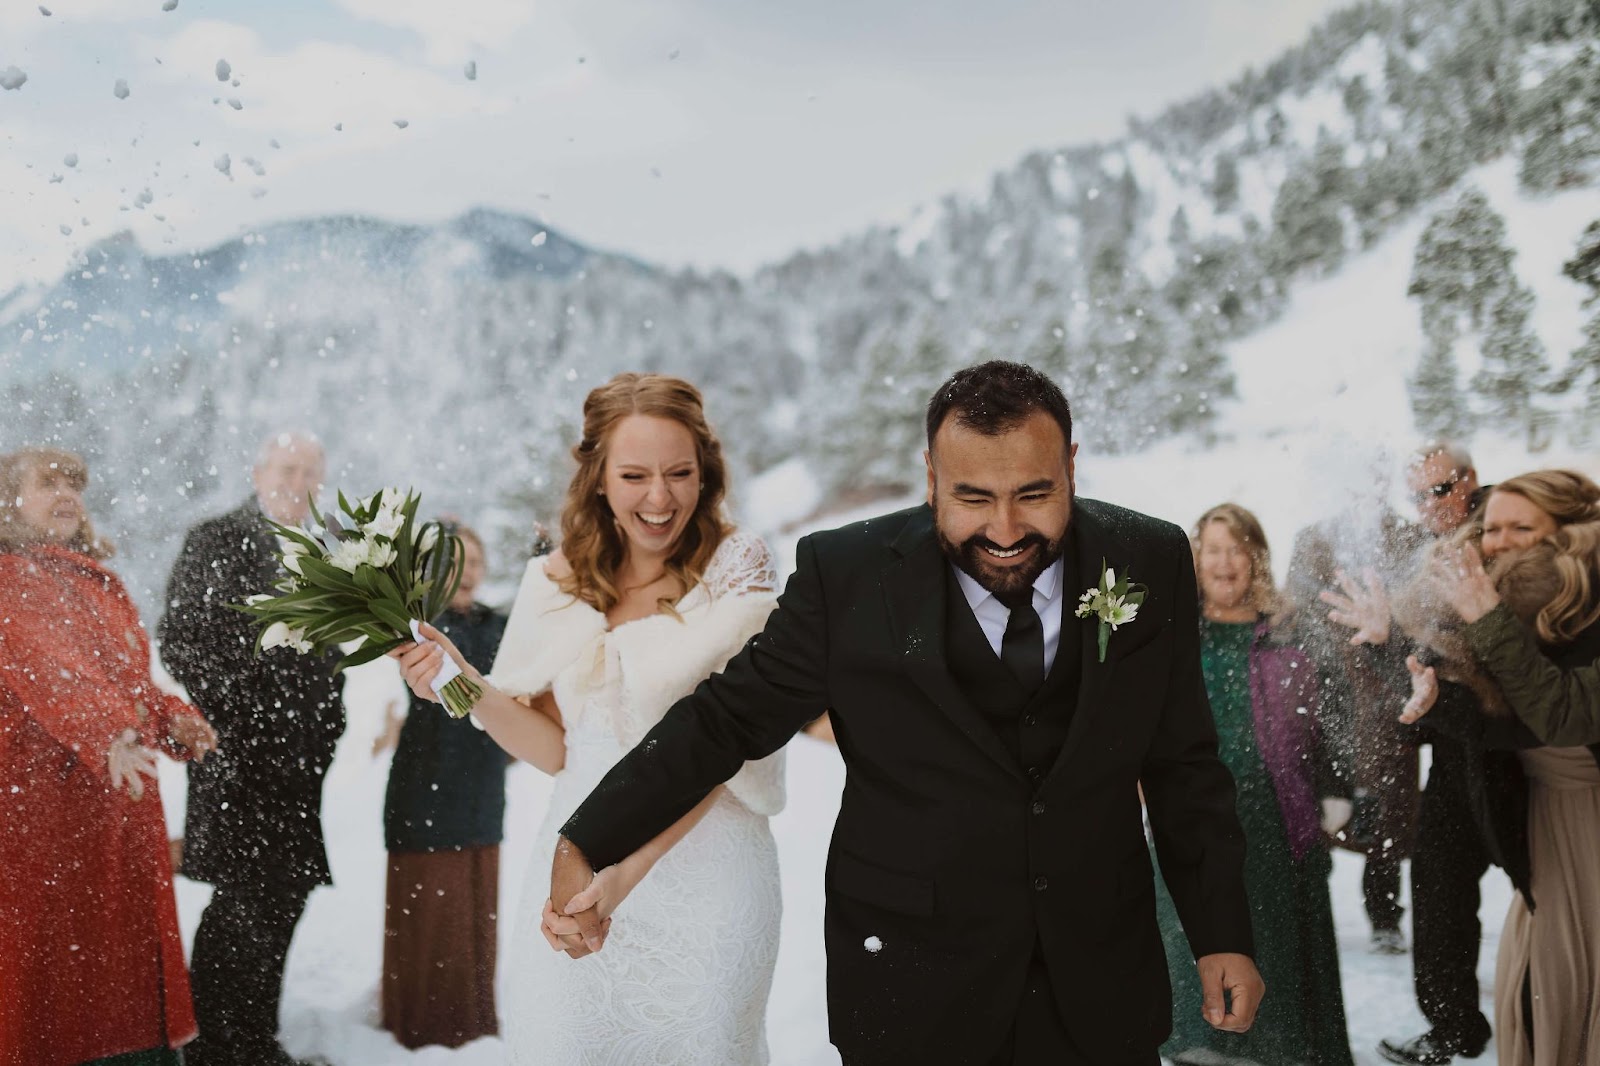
x: 651, y: 593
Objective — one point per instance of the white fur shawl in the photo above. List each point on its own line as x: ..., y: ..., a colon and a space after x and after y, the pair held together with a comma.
x: 557, y: 643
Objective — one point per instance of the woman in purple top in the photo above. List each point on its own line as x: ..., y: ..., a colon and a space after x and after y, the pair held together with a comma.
x: 1264, y: 700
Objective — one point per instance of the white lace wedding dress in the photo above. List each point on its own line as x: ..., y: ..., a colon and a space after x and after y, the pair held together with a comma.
x: 684, y: 975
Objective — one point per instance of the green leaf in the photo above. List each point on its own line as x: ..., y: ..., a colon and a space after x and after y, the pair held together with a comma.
x: 367, y: 653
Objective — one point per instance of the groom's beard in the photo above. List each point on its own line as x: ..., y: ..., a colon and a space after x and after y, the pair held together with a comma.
x: 970, y: 556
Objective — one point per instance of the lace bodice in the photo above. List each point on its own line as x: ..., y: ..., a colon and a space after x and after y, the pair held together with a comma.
x: 634, y: 672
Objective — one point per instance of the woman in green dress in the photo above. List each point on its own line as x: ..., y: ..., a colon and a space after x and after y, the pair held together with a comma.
x: 1263, y: 697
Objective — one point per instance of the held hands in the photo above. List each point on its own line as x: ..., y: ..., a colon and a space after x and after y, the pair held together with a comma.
x: 1462, y: 582
x: 194, y: 733
x: 606, y: 891
x: 1363, y: 607
x: 1424, y: 691
x: 128, y: 762
x: 1237, y: 976
x: 420, y: 663
x: 570, y: 876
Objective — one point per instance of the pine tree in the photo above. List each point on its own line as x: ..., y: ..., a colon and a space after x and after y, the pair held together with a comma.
x: 1436, y: 400
x: 1514, y: 370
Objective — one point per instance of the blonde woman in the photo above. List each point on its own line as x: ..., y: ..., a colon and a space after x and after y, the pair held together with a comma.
x: 651, y: 592
x: 1532, y: 611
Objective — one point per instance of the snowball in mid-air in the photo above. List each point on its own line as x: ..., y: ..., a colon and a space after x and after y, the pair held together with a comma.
x: 120, y: 89
x: 224, y: 70
x: 873, y: 944
x: 12, y: 78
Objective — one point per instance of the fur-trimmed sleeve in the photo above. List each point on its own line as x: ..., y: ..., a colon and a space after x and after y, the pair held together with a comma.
x: 662, y: 659
x: 546, y: 633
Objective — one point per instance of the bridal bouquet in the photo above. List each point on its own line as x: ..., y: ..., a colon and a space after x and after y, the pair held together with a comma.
x: 367, y: 574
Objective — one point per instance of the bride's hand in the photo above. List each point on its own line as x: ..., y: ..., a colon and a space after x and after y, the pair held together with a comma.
x: 420, y: 663
x: 1424, y: 691
x: 563, y: 933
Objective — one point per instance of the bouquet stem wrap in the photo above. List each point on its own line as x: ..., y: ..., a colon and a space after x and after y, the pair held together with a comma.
x: 458, y: 692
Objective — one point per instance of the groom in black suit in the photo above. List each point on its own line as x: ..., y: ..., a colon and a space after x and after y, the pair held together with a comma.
x: 990, y: 894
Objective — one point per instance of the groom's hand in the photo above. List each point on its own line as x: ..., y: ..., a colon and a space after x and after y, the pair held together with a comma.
x: 1237, y: 976
x: 570, y: 874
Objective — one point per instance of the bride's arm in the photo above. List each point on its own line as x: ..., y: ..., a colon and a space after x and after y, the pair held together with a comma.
x: 613, y: 884
x: 533, y: 734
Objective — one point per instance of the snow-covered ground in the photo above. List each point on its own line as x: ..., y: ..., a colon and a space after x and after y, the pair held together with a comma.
x: 1319, y: 422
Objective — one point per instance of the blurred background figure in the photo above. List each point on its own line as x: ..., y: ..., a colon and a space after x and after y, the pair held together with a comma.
x: 254, y: 816
x: 1263, y: 693
x: 91, y: 962
x: 442, y: 826
x: 1371, y: 751
x: 1450, y: 857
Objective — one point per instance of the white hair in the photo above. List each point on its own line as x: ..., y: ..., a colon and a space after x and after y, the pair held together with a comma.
x: 1459, y: 457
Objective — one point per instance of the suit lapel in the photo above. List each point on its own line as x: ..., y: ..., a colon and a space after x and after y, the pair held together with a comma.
x: 915, y: 589
x: 1093, y: 546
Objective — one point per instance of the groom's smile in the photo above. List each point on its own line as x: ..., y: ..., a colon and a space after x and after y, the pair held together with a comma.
x: 1001, y: 500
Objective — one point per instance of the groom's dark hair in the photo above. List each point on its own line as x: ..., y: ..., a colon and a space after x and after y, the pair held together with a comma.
x: 994, y: 397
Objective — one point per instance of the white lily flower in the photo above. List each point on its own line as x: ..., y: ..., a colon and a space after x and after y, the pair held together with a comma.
x: 276, y: 636
x: 252, y: 601
x: 386, y: 524
x: 1110, y: 579
x: 291, y: 563
x: 429, y: 538
x: 349, y: 555
x: 298, y: 641
x: 380, y: 555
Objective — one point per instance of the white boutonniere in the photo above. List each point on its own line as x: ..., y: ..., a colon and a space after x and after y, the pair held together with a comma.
x: 1115, y: 601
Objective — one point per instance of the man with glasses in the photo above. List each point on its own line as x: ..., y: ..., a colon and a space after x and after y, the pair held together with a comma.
x: 1450, y: 857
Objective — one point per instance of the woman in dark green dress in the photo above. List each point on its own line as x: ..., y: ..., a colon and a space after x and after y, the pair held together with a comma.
x: 1263, y: 697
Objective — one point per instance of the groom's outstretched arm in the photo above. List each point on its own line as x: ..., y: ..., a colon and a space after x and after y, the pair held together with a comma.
x: 761, y: 699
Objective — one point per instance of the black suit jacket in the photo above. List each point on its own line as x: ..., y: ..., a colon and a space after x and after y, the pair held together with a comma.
x: 255, y: 804
x: 943, y: 849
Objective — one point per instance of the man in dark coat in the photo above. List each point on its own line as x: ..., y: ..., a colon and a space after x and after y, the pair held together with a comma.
x: 254, y: 823
x: 990, y: 851
x: 1375, y: 755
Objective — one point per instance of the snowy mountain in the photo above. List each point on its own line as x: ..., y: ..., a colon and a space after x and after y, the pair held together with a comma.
x: 1158, y: 276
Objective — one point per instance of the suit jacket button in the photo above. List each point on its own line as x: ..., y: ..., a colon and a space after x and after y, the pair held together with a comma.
x: 1041, y: 883
x: 1029, y: 720
x: 1038, y: 807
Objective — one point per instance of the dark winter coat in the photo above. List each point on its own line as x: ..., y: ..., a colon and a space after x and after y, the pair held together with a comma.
x: 255, y: 806
x: 447, y: 785
x: 1498, y: 791
x: 946, y: 851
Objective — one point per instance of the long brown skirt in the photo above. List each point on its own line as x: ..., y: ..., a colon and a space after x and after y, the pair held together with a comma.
x: 439, y: 940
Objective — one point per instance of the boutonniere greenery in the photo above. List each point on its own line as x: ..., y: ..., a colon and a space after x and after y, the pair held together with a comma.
x: 1115, y: 602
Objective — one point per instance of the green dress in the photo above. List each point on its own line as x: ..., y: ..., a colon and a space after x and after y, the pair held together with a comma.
x: 1302, y: 1021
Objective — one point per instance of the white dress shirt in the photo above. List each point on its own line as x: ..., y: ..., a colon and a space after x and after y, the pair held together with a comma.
x: 993, y: 615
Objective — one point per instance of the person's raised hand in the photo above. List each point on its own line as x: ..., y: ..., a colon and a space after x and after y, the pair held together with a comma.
x: 193, y: 732
x: 128, y: 763
x: 570, y: 874
x: 1462, y: 582
x: 1235, y: 975
x: 1363, y: 607
x: 1424, y: 691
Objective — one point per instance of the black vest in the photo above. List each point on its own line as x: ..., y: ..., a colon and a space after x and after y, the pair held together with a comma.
x: 1033, y: 727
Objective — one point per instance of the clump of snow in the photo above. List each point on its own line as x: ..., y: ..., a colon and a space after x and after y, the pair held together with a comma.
x: 12, y: 78
x: 401, y: 123
x: 66, y: 230
x: 223, y: 164
x: 70, y: 159
x: 224, y: 70
x: 873, y: 945
x: 235, y: 103
x: 539, y: 239
x: 120, y: 89
x: 44, y: 11
x: 169, y: 5
x: 255, y: 166
x: 471, y: 70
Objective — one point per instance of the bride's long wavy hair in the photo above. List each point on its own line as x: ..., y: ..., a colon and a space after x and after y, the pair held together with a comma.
x: 1573, y: 551
x: 590, y: 538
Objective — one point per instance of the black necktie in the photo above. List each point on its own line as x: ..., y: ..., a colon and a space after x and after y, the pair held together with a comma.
x: 1022, y: 648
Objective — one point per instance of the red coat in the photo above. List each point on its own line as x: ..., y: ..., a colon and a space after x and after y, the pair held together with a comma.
x: 91, y: 961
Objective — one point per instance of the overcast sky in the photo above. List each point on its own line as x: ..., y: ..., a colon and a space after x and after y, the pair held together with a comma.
x: 707, y: 132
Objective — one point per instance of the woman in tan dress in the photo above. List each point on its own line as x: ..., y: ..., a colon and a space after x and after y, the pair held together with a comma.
x: 1541, y: 541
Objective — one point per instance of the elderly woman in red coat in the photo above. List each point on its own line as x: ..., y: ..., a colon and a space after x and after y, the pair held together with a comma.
x: 91, y: 962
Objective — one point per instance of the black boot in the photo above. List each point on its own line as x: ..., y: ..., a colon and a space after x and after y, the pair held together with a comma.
x: 1431, y: 1049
